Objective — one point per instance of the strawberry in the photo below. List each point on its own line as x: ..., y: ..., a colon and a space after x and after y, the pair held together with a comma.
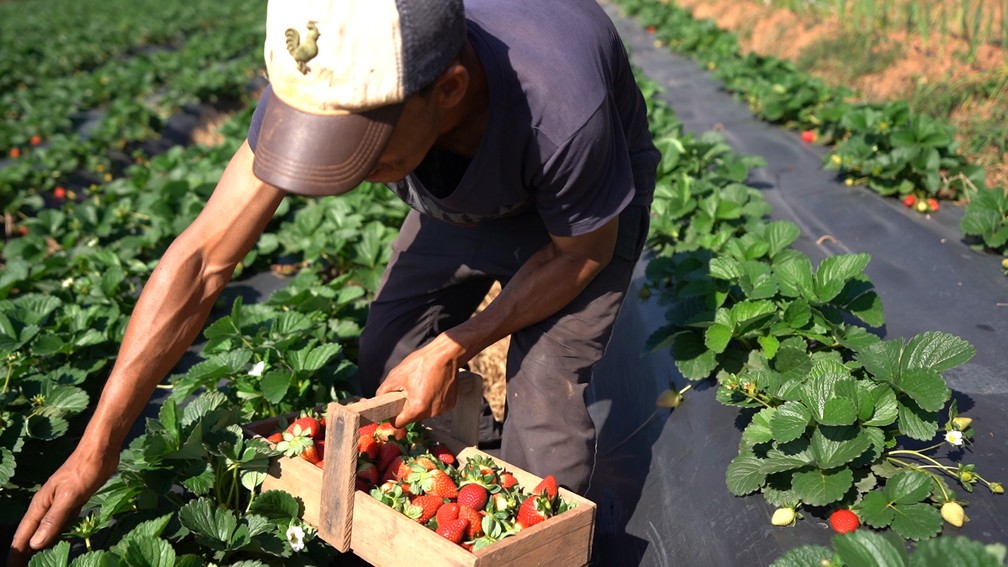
x: 507, y: 480
x: 35, y: 140
x: 14, y: 153
x: 953, y: 513
x: 441, y: 485
x: 784, y: 516
x: 443, y: 454
x: 386, y: 431
x: 533, y: 510
x: 473, y: 495
x: 313, y: 453
x: 367, y: 445
x: 547, y: 486
x: 387, y: 453
x: 427, y: 505
x: 454, y: 530
x: 425, y: 462
x: 362, y: 485
x: 808, y: 136
x: 368, y: 472
x: 922, y: 206
x: 446, y: 513
x: 308, y: 426
x: 275, y: 438
x: 933, y: 204
x: 475, y: 519
x: 844, y: 521
x: 367, y: 430
x: 909, y: 200
x: 59, y: 193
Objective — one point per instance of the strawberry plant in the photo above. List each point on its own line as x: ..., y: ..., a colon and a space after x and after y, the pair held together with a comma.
x: 865, y: 547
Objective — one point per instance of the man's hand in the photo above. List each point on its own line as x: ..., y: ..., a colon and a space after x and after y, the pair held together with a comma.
x: 59, y: 500
x: 428, y: 378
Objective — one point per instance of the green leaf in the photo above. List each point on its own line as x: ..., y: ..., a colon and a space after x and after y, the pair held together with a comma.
x: 915, y: 422
x: 953, y: 550
x: 834, y: 445
x: 865, y: 548
x: 726, y: 269
x: 99, y: 558
x: 876, y: 510
x: 205, y: 518
x: 57, y: 556
x: 148, y: 552
x: 769, y: 344
x: 819, y: 488
x: 758, y: 430
x: 803, y: 556
x: 276, y: 505
x: 274, y: 385
x: 744, y: 474
x: 886, y: 408
x: 7, y: 465
x: 790, y: 421
x: 65, y: 400
x: 788, y: 457
x: 908, y: 487
x: 937, y: 351
x: 926, y: 387
x: 795, y: 278
x: 916, y: 521
x: 692, y: 357
x: 882, y: 360
x: 835, y: 271
x: 717, y: 337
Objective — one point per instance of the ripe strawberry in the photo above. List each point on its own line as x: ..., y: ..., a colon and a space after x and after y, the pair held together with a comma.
x: 650, y: 29
x: 367, y: 430
x: 308, y: 426
x: 473, y: 495
x: 275, y: 438
x: 547, y: 486
x: 427, y: 505
x: 35, y: 140
x: 843, y: 521
x: 368, y: 472
x: 425, y: 462
x: 387, y: 453
x: 933, y: 204
x: 507, y: 480
x: 533, y: 510
x: 909, y: 200
x: 808, y: 136
x: 313, y: 453
x: 447, y: 512
x: 362, y: 485
x: 454, y: 530
x: 475, y: 519
x: 14, y: 153
x: 367, y: 445
x: 59, y: 193
x: 441, y: 485
x: 443, y: 454
x: 386, y: 431
x: 22, y: 230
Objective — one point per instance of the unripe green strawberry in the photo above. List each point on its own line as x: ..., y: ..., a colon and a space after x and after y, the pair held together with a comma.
x: 785, y: 516
x: 961, y: 423
x: 953, y: 513
x: 922, y: 206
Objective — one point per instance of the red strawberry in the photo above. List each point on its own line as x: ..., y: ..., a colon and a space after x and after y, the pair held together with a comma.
x: 362, y: 485
x: 454, y: 530
x: 442, y: 485
x: 428, y: 505
x: 473, y: 495
x: 533, y: 510
x: 275, y: 438
x: 651, y: 29
x: 308, y: 426
x: 475, y: 519
x: 507, y: 480
x: 367, y: 430
x: 933, y: 204
x: 386, y: 454
x: 547, y: 486
x: 313, y: 453
x: 447, y: 512
x: 369, y: 446
x: 909, y: 200
x: 386, y: 431
x: 59, y: 193
x: 397, y: 470
x: 443, y: 454
x: 843, y: 521
x: 35, y: 140
x: 368, y: 472
x: 14, y: 153
x: 808, y: 136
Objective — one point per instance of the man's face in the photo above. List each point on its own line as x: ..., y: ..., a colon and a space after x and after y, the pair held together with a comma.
x: 414, y: 135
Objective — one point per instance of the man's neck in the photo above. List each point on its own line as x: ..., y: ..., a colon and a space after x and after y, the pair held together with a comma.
x: 469, y: 119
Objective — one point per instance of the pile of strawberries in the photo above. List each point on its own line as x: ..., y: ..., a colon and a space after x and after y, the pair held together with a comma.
x: 304, y: 437
x: 921, y: 204
x: 473, y: 504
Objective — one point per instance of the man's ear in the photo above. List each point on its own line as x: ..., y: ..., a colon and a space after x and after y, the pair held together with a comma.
x: 452, y: 85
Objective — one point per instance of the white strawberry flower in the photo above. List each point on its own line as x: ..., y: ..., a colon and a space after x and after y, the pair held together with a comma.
x: 295, y: 537
x: 954, y: 437
x: 257, y: 370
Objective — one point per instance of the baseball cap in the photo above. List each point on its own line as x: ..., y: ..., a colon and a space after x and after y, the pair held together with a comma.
x: 340, y: 72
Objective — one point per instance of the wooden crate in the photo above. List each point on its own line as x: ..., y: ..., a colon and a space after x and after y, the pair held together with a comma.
x: 352, y: 520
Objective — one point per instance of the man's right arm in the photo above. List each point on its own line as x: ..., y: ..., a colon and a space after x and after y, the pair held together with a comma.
x: 171, y: 311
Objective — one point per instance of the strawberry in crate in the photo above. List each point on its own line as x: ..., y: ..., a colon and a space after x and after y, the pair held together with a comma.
x: 304, y: 437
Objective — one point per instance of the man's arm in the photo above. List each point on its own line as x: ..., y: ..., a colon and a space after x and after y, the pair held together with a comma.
x: 170, y: 312
x: 545, y: 284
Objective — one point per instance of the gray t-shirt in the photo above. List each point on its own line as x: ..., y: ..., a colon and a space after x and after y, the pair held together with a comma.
x: 567, y: 136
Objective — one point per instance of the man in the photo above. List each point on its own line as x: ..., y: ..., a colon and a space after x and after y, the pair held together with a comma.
x: 516, y: 132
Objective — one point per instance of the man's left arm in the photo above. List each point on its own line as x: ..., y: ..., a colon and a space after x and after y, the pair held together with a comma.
x: 545, y: 284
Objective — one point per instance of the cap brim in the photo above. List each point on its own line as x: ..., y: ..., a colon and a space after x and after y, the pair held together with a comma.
x: 317, y: 155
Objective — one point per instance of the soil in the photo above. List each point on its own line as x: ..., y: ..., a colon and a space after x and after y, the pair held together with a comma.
x: 781, y: 33
x: 491, y: 365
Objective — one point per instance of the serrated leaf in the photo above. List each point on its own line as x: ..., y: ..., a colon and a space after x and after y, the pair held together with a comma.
x: 795, y: 278
x: 717, y: 337
x: 916, y: 521
x: 876, y: 510
x: 692, y: 357
x: 790, y: 421
x: 7, y: 465
x: 274, y: 385
x: 758, y: 430
x: 726, y: 268
x: 915, y: 422
x: 56, y: 556
x: 204, y: 518
x: 819, y: 488
x: 276, y: 505
x: 769, y: 344
x: 937, y: 351
x: 744, y: 474
x: 65, y: 400
x: 882, y: 360
x: 148, y: 552
x: 834, y: 272
x: 779, y: 460
x: 953, y: 550
x: 908, y: 487
x: 886, y: 408
x: 803, y: 556
x: 835, y: 445
x: 926, y: 387
x: 865, y: 548
x: 98, y: 558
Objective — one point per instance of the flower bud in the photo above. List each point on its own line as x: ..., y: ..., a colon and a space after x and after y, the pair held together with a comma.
x: 996, y: 488
x: 961, y: 423
x: 784, y: 516
x: 953, y: 513
x: 669, y: 399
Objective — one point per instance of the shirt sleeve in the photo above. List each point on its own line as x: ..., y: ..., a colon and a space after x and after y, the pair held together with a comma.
x: 588, y: 180
x: 257, y: 117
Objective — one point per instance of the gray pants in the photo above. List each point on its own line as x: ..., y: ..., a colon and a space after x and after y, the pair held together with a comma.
x: 437, y: 277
